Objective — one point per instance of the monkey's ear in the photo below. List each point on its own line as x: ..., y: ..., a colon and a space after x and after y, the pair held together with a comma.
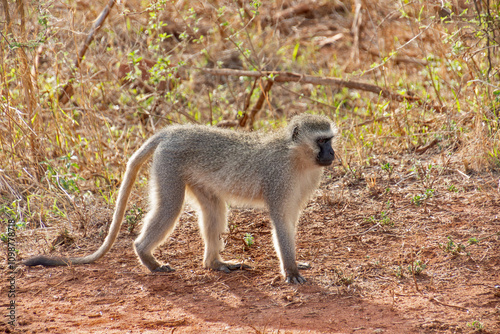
x: 295, y: 133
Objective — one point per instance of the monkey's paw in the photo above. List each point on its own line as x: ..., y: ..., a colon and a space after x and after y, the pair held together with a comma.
x: 295, y: 279
x: 227, y: 267
x: 164, y: 269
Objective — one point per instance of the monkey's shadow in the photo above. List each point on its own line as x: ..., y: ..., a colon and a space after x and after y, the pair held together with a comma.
x: 245, y: 298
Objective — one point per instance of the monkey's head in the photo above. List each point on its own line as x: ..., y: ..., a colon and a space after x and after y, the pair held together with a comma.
x: 313, y: 135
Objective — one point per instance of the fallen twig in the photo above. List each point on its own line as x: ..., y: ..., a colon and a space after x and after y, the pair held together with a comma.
x: 423, y: 149
x: 293, y: 11
x: 433, y: 299
x: 463, y: 174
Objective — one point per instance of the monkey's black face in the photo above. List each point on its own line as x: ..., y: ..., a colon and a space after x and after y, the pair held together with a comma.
x: 326, y: 154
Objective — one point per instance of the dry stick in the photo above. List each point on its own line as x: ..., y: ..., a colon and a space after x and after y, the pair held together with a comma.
x: 5, y: 4
x: 423, y: 149
x: 355, y: 30
x: 257, y: 106
x: 249, y: 96
x: 211, y: 109
x: 20, y: 10
x: 372, y: 121
x: 68, y: 91
x: 489, y: 236
x: 278, y: 76
x: 290, y: 12
x: 243, y: 119
x: 433, y: 299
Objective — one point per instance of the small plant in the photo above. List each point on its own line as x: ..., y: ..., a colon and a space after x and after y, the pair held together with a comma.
x: 63, y: 178
x: 473, y: 241
x: 133, y: 218
x: 429, y: 193
x: 385, y: 220
x: 427, y: 174
x: 417, y: 200
x: 476, y: 325
x: 343, y: 279
x: 3, y: 237
x: 399, y: 272
x: 455, y: 248
x: 421, y: 198
x: 56, y: 210
x: 388, y: 168
x: 417, y: 267
x: 11, y: 210
x: 248, y: 239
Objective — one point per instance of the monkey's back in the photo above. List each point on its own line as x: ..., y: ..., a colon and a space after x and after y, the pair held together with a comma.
x: 230, y: 164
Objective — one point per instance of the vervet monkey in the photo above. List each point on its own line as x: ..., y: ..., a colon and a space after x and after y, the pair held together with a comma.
x: 213, y: 166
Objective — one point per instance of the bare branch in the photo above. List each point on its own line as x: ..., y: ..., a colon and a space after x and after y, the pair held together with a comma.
x: 325, y: 81
x: 68, y: 90
x: 253, y: 113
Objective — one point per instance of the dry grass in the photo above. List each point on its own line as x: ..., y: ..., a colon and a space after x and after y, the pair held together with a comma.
x: 53, y: 155
x: 47, y: 148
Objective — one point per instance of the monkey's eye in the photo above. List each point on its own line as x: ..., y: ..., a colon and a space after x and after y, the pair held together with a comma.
x: 322, y: 141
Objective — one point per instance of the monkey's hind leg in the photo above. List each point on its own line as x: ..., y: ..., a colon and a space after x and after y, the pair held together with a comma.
x: 212, y: 224
x: 167, y: 200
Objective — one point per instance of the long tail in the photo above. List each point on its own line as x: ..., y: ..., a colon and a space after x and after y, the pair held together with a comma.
x: 133, y: 166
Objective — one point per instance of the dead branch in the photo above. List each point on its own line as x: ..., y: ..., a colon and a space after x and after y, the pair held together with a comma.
x: 278, y: 76
x: 433, y: 299
x: 297, y: 10
x: 5, y: 5
x: 355, y: 30
x: 423, y: 149
x: 257, y: 107
x: 68, y: 90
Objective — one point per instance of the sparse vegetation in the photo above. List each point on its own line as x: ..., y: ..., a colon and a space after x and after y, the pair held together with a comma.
x: 133, y: 218
x: 476, y: 326
x: 417, y: 267
x: 343, y: 279
x: 422, y: 198
x: 248, y: 239
x: 388, y: 168
x: 453, y: 247
x: 384, y: 218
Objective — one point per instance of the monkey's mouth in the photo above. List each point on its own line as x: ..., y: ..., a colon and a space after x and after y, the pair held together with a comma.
x: 324, y: 162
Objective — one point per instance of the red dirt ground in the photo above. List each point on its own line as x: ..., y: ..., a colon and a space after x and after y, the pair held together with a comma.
x: 360, y: 281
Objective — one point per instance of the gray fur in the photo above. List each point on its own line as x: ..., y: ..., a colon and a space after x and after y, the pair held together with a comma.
x: 213, y: 167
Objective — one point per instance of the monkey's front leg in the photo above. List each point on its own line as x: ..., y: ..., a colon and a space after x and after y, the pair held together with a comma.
x: 284, y: 242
